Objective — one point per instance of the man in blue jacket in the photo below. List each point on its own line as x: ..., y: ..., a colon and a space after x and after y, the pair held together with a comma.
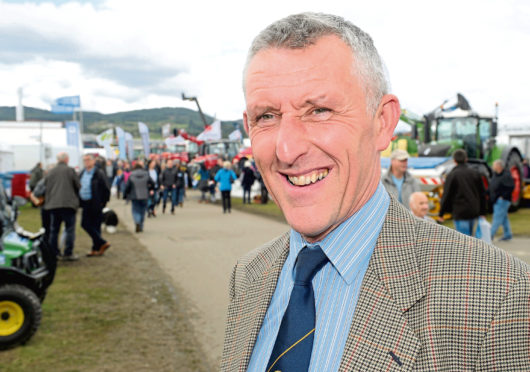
x: 94, y: 194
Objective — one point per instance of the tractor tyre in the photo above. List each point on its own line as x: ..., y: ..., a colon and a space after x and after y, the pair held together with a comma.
x: 514, y: 165
x: 20, y: 315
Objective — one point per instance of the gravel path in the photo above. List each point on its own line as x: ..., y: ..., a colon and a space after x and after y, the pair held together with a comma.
x: 198, y: 247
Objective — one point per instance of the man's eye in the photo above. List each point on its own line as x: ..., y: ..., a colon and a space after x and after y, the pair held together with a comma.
x: 265, y: 117
x: 321, y: 110
x: 318, y: 114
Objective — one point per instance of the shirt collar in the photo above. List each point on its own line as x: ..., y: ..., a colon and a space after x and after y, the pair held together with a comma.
x: 353, y: 241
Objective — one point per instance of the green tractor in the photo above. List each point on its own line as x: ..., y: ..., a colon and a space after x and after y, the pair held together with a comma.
x: 459, y: 127
x: 26, y: 271
x: 450, y: 127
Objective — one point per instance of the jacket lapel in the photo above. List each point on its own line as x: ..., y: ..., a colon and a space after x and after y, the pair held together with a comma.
x: 262, y: 276
x: 380, y: 335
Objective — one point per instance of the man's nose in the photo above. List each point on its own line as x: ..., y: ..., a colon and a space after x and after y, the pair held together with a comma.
x: 291, y: 142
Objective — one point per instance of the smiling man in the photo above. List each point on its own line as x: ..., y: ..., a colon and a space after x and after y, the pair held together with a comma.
x: 358, y: 284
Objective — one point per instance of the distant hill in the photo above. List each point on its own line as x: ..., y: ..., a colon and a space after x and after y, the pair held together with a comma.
x: 95, y: 122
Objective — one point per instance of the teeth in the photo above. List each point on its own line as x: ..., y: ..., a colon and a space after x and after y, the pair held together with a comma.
x: 308, y: 178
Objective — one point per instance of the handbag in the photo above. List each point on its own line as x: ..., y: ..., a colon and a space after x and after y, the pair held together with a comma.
x: 484, y: 230
x: 203, y: 185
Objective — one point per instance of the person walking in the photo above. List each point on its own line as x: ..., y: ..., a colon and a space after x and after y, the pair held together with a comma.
x: 225, y: 177
x: 213, y: 184
x: 247, y: 180
x: 35, y: 176
x: 180, y: 184
x: 464, y: 195
x: 138, y: 188
x: 204, y: 180
x: 500, y: 189
x: 110, y: 171
x: 152, y: 169
x: 61, y: 200
x: 397, y: 180
x: 94, y: 194
x: 168, y: 184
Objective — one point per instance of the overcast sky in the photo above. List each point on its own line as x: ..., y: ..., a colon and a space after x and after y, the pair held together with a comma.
x: 120, y: 55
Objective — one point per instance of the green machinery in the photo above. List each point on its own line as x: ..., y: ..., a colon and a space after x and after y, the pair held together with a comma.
x: 24, y: 276
x: 456, y: 126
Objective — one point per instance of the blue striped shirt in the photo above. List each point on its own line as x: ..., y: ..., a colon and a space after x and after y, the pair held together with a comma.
x: 349, y: 248
x: 85, y: 192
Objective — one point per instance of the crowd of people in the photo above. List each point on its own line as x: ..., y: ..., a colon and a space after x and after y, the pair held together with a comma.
x: 464, y: 196
x: 60, y: 191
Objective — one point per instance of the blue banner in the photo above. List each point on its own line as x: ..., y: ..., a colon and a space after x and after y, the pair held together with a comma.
x: 72, y: 134
x: 144, y: 133
x: 121, y: 143
x: 66, y: 105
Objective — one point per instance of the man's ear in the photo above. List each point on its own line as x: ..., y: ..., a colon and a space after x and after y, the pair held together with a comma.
x: 385, y: 120
x: 245, y: 122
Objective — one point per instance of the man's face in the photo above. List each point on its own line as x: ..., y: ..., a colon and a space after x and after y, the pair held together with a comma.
x: 497, y: 168
x: 399, y: 166
x: 314, y: 142
x: 89, y: 162
x: 169, y: 164
x: 419, y: 205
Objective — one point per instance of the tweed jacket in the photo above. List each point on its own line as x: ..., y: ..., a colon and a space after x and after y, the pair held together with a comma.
x: 432, y: 299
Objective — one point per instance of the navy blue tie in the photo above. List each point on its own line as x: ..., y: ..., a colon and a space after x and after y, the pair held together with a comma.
x: 294, y: 343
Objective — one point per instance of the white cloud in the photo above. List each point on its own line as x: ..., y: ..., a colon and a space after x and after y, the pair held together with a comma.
x: 121, y: 55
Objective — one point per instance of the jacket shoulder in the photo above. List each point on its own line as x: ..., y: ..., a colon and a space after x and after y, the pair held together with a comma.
x: 442, y: 248
x: 252, y: 265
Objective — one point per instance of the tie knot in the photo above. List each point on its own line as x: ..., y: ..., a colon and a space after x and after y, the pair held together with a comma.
x: 308, y: 263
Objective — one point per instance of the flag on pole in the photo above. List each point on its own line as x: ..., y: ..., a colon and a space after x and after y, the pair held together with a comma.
x: 235, y: 135
x: 144, y: 133
x: 105, y: 139
x: 166, y: 130
x: 66, y: 105
x: 121, y: 143
x: 130, y: 145
x: 212, y: 132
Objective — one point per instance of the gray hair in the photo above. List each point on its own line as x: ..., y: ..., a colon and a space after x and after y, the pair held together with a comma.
x: 62, y: 157
x: 299, y: 31
x: 499, y: 162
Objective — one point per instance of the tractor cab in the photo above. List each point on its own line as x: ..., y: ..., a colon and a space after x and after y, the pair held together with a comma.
x: 462, y: 129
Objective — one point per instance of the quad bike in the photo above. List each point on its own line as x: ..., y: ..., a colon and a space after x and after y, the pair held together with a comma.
x: 26, y: 271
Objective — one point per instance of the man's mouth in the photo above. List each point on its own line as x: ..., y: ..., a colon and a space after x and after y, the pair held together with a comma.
x: 308, y: 179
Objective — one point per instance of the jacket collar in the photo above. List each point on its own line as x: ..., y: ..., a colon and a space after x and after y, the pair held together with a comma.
x: 393, y: 261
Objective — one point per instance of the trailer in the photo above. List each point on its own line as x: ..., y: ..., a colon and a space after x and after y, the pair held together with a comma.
x: 32, y: 142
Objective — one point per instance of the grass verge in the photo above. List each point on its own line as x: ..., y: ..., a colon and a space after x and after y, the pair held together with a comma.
x: 119, y: 312
x: 269, y: 210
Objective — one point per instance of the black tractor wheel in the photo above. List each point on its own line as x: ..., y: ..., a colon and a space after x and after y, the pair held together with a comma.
x: 20, y: 315
x: 514, y: 165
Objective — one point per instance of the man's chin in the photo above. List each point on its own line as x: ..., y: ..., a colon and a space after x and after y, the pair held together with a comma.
x: 309, y: 226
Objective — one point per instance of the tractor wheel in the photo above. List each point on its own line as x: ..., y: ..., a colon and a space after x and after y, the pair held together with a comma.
x: 20, y: 315
x: 515, y: 167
